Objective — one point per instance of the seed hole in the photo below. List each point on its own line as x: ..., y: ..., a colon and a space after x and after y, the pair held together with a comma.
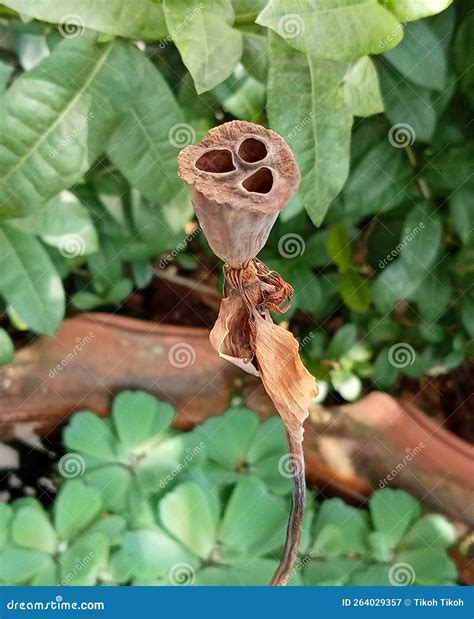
x: 216, y: 161
x: 260, y: 181
x: 252, y: 150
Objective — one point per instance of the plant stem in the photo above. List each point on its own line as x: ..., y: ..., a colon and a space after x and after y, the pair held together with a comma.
x: 295, y: 522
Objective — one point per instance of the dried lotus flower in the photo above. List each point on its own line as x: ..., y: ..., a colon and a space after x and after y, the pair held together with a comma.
x: 241, y: 176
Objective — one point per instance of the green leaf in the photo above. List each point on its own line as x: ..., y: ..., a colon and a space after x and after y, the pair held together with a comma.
x: 464, y: 57
x: 139, y: 417
x: 336, y: 572
x: 430, y: 566
x: 451, y: 169
x: 409, y: 108
x: 393, y: 284
x: 143, y: 20
x: 355, y: 291
x: 384, y: 373
x: 242, y: 96
x: 76, y: 506
x: 65, y: 223
x: 254, y: 521
x: 393, y: 512
x: 32, y: 529
x: 73, y: 119
x: 157, y: 463
x: 338, y: 244
x: 228, y: 438
x: 420, y: 57
x: 410, y: 10
x: 29, y: 282
x: 433, y: 531
x: 209, y: 46
x: 255, y: 52
x: 20, y: 565
x: 7, y: 348
x: 189, y: 514
x: 5, y: 520
x: 372, y: 575
x: 434, y: 294
x: 379, y: 182
x: 154, y: 554
x: 313, y: 116
x: 270, y: 439
x: 423, y: 232
x: 346, y: 383
x: 113, y: 481
x: 462, y: 215
x: 340, y: 529
x: 112, y: 527
x: 146, y: 143
x: 347, y: 29
x: 89, y: 434
x: 84, y: 560
x: 361, y: 88
x: 6, y: 71
x: 342, y: 342
x: 251, y: 573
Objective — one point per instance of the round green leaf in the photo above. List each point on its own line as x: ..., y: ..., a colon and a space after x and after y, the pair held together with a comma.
x: 31, y: 528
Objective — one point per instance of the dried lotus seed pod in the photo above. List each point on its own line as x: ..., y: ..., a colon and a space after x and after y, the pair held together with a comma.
x: 241, y: 176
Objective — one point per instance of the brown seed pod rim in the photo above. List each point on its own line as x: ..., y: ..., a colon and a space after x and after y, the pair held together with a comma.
x: 226, y: 187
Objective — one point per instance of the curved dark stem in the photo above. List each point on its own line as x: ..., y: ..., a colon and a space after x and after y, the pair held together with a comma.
x: 295, y: 522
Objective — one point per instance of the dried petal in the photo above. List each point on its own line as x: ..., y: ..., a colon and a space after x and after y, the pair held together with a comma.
x: 230, y: 335
x: 290, y: 386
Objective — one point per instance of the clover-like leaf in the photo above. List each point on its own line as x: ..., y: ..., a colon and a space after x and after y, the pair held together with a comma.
x: 340, y: 529
x: 113, y: 481
x: 154, y: 553
x: 32, y: 528
x: 191, y: 516
x: 255, y: 520
x: 139, y: 416
x: 82, y: 563
x: 76, y: 506
x: 5, y: 520
x: 393, y: 512
x: 90, y: 435
x: 20, y: 565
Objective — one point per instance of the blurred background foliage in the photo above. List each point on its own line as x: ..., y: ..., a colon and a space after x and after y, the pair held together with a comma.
x: 378, y: 243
